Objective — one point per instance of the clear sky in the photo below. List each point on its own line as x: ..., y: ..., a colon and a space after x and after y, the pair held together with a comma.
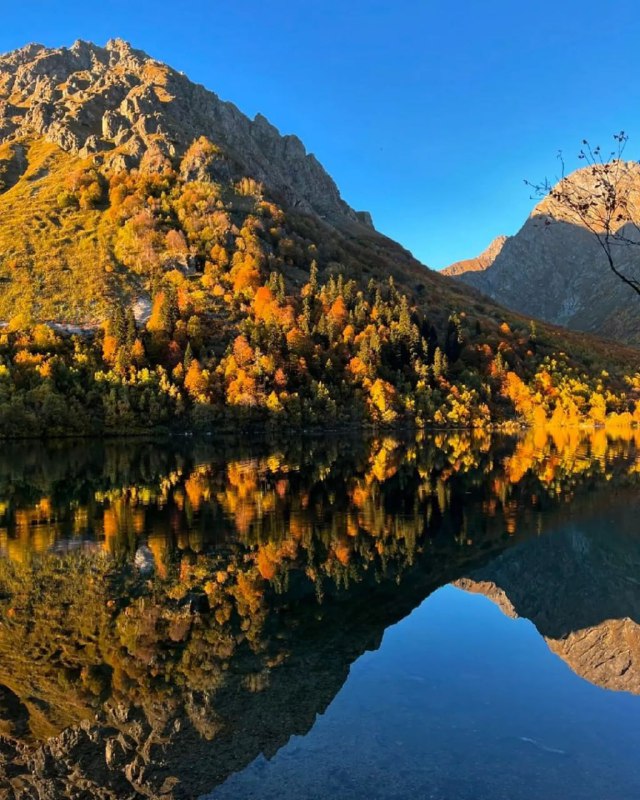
x: 428, y: 114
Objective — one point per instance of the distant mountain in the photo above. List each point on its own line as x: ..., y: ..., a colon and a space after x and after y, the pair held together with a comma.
x: 479, y: 263
x: 554, y: 269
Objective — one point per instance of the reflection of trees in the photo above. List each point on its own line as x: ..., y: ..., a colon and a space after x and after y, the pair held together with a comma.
x: 333, y: 493
x: 226, y: 650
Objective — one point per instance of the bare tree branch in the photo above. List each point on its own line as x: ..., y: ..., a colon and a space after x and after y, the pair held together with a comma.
x: 602, y: 204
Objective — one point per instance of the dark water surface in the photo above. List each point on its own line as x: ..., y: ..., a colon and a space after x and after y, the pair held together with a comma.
x: 449, y: 617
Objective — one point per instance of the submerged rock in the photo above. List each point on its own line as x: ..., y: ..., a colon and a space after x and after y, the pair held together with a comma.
x: 144, y: 561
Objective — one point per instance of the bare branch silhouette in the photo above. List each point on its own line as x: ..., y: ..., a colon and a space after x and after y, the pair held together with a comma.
x: 599, y: 198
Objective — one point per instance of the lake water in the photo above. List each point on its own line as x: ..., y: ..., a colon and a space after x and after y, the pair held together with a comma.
x: 451, y: 616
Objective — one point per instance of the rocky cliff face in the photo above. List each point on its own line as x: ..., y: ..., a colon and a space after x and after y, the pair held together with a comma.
x: 137, y: 112
x: 554, y: 269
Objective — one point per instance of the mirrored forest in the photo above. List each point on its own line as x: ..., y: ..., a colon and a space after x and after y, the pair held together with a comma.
x: 210, y: 596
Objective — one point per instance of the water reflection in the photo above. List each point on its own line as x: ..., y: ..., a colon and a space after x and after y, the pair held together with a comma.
x: 263, y: 574
x: 581, y: 589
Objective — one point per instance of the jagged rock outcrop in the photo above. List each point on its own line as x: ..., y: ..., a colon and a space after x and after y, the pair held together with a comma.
x: 479, y: 263
x: 554, y: 269
x: 118, y: 101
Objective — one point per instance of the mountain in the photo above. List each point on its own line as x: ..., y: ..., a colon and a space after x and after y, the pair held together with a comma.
x: 118, y: 102
x: 118, y: 110
x: 74, y: 121
x: 479, y: 263
x: 554, y: 269
x: 167, y: 262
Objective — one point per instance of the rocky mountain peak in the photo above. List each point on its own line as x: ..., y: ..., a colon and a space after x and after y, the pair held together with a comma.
x: 585, y: 183
x: 118, y: 45
x: 554, y: 268
x: 117, y: 104
x: 479, y: 263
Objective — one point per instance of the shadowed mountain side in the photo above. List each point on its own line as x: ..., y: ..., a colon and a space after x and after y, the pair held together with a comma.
x: 557, y: 272
x: 579, y: 587
x: 554, y: 269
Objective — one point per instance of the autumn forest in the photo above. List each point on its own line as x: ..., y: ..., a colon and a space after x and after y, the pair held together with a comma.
x: 256, y: 316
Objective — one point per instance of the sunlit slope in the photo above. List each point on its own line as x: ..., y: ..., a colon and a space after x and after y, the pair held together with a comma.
x: 55, y: 261
x: 62, y: 258
x: 195, y: 268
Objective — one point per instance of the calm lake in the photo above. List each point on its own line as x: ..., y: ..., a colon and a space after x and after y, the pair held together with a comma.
x: 452, y: 616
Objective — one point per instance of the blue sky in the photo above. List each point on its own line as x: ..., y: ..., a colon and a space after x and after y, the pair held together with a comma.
x: 428, y: 114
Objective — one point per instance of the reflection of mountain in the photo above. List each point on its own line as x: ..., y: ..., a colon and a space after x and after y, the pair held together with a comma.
x: 580, y: 588
x: 119, y: 686
x: 183, y: 743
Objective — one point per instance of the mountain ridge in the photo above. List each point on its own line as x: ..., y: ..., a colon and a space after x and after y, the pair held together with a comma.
x: 122, y: 103
x: 477, y: 263
x: 550, y: 268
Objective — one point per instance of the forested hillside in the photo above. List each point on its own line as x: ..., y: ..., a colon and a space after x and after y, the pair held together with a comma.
x: 167, y: 263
